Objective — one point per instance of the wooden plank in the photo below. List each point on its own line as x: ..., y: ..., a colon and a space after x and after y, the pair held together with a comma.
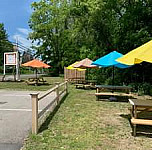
x: 141, y: 121
x: 114, y: 87
x: 144, y: 109
x: 106, y: 94
x: 112, y: 94
x: 125, y: 89
x: 141, y: 102
x: 34, y: 98
x: 79, y: 85
x: 47, y: 93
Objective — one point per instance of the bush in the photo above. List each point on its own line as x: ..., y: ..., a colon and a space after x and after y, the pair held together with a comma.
x: 142, y: 88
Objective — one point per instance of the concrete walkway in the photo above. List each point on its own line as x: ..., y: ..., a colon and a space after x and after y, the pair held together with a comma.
x: 15, y: 117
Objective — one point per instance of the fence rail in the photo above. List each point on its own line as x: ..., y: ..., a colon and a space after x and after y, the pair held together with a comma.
x: 36, y: 98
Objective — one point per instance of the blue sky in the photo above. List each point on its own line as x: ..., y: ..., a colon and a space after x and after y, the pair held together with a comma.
x: 15, y: 15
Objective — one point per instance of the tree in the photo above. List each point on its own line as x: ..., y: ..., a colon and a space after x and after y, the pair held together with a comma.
x: 71, y: 30
x: 48, y: 23
x: 5, y: 45
x: 63, y: 31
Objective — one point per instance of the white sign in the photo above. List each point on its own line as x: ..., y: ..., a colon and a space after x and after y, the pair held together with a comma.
x: 10, y: 58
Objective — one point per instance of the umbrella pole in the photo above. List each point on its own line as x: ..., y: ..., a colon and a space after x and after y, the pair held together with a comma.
x: 87, y: 75
x: 76, y: 76
x: 112, y: 98
x: 36, y: 77
x: 113, y: 72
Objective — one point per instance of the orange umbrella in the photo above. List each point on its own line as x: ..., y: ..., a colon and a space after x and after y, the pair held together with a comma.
x: 85, y: 63
x: 35, y: 64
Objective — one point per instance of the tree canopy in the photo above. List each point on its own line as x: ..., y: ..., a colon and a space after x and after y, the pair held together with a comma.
x: 71, y: 30
x: 5, y: 45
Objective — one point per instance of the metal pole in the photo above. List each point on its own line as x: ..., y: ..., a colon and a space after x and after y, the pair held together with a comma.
x: 17, y: 61
x: 17, y: 66
x: 4, y: 68
x: 113, y: 72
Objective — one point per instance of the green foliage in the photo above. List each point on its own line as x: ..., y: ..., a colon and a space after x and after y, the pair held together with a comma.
x: 142, y: 88
x: 5, y: 45
x: 69, y: 31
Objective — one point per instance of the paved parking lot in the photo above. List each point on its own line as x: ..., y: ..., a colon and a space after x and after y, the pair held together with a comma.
x: 15, y: 117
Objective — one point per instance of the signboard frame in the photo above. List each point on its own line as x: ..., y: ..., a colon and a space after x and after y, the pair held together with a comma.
x: 12, y: 59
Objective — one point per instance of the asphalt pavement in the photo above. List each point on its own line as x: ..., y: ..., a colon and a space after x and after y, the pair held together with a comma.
x: 15, y: 117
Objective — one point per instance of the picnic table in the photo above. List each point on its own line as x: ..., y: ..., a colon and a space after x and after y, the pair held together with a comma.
x: 101, y: 90
x: 36, y: 81
x: 86, y: 84
x: 76, y: 79
x: 139, y: 106
x: 113, y: 88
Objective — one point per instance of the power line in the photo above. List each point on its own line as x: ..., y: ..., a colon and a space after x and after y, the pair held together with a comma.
x: 23, y: 48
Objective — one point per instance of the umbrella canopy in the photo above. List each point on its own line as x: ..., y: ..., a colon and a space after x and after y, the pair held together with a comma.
x: 136, y: 56
x: 110, y: 60
x: 71, y: 67
x: 35, y: 64
x: 85, y: 63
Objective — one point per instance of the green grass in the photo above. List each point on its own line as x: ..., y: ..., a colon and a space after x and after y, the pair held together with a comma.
x: 82, y: 123
x: 24, y: 86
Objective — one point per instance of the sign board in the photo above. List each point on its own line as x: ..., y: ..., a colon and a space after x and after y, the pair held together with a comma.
x: 10, y: 58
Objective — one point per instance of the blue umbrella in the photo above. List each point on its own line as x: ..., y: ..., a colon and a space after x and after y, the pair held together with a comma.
x: 110, y: 60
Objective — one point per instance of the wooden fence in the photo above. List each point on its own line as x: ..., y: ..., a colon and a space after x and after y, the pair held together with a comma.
x: 60, y: 90
x: 72, y: 74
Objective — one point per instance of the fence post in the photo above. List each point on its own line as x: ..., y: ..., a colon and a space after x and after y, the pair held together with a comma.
x: 66, y: 87
x: 34, y: 98
x: 57, y: 91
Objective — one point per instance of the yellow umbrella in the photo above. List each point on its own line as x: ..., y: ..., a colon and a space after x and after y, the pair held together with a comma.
x: 138, y: 55
x: 71, y: 67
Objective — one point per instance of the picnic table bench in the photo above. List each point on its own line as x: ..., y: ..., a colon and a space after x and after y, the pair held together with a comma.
x: 139, y: 106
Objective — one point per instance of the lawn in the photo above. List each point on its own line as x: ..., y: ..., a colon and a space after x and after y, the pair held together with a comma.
x: 23, y: 86
x: 82, y: 123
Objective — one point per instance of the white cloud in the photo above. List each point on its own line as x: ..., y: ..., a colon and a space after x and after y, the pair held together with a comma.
x: 23, y: 31
x: 21, y: 37
x: 22, y: 40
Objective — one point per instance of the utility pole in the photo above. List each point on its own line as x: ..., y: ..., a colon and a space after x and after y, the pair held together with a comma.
x: 17, y: 61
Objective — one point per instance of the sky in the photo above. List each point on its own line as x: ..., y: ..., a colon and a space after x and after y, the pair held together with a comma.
x: 15, y: 15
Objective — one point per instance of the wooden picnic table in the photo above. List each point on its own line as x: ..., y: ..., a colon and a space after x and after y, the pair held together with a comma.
x: 113, y: 88
x: 86, y: 84
x: 36, y: 81
x: 101, y: 90
x: 139, y: 106
x: 75, y: 79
